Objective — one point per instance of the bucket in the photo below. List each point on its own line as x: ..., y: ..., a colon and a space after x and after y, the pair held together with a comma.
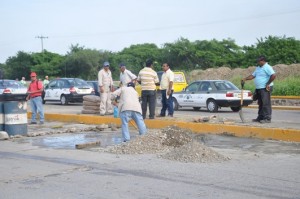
x: 15, y: 118
x: 1, y: 116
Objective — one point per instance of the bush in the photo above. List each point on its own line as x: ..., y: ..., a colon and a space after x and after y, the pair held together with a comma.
x: 287, y: 87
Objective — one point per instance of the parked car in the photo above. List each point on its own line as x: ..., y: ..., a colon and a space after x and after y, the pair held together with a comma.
x: 94, y: 85
x: 12, y: 90
x: 212, y: 94
x: 67, y: 90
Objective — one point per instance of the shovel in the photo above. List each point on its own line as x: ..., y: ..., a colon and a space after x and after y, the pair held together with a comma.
x: 242, y: 100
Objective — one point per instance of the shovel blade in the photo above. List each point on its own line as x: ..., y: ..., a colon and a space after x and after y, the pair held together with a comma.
x: 241, y: 115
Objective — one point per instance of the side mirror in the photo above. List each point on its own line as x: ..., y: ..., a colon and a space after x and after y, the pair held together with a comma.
x: 209, y: 89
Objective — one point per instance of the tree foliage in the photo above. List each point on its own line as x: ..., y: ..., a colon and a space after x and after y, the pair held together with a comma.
x: 18, y: 66
x: 181, y: 55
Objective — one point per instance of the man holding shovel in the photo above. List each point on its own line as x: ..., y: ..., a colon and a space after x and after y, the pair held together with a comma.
x: 264, y: 76
x: 129, y: 108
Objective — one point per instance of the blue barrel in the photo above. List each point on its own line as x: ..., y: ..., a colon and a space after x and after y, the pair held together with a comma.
x: 15, y: 118
x: 1, y: 116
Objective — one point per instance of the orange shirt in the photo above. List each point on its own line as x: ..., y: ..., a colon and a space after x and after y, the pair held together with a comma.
x: 35, y: 86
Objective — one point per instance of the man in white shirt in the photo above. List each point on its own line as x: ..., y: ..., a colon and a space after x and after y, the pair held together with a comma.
x: 126, y: 76
x: 106, y: 86
x: 129, y: 108
x: 166, y: 87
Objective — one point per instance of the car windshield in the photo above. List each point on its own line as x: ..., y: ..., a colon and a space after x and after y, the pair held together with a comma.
x: 225, y: 85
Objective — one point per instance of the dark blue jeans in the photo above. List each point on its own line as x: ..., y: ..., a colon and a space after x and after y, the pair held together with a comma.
x: 167, y: 104
x: 264, y: 104
x: 148, y: 97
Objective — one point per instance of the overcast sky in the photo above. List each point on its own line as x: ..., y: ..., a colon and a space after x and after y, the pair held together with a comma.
x: 116, y: 24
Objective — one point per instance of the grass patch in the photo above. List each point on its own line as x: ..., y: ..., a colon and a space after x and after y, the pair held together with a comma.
x: 287, y: 87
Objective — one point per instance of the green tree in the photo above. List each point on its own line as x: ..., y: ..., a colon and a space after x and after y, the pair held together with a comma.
x: 278, y: 50
x: 47, y: 63
x: 18, y: 66
x: 84, y: 63
x: 136, y: 55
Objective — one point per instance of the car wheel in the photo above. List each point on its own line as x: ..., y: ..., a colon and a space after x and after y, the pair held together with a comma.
x: 235, y: 109
x: 212, y: 105
x: 175, y: 104
x: 63, y: 100
x: 196, y: 108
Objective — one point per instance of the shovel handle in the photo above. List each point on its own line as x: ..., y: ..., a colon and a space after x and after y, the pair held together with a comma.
x: 242, y: 93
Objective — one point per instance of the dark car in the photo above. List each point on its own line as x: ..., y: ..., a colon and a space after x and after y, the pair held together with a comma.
x: 212, y: 94
x: 95, y: 86
x: 67, y: 90
x: 12, y: 90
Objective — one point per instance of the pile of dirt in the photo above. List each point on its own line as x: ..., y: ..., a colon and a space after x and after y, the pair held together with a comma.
x: 194, y: 152
x: 171, y: 143
x: 225, y: 73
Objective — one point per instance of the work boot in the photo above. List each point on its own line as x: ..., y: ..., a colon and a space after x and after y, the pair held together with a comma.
x: 265, y: 121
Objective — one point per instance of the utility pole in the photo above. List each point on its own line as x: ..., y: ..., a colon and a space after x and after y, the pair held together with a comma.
x: 42, y: 37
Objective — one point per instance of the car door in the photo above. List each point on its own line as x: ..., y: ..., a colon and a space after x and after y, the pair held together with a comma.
x: 205, y: 92
x: 60, y: 89
x: 189, y: 97
x: 50, y: 90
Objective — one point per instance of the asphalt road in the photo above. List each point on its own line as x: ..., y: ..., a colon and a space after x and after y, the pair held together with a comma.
x: 281, y: 118
x: 256, y: 169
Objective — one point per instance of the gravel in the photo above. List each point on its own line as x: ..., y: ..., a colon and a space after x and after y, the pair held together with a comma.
x: 172, y: 143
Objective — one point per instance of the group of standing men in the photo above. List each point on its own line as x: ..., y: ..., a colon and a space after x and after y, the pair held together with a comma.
x: 129, y: 106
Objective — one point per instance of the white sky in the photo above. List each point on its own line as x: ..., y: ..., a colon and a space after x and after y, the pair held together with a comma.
x: 116, y: 24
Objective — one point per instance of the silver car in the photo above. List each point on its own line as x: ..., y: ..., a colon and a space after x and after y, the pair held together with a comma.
x: 212, y: 94
x: 12, y: 90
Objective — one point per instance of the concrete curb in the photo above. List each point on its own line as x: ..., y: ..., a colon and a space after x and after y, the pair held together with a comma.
x: 292, y: 135
x: 290, y: 108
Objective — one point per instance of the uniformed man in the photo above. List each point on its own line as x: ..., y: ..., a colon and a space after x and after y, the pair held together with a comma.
x: 106, y: 86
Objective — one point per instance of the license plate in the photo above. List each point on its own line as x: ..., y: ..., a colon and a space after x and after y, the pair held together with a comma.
x: 83, y: 91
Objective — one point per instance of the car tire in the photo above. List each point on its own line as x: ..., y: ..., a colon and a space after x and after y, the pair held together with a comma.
x: 212, y: 105
x: 196, y: 108
x: 235, y: 109
x: 175, y: 104
x: 63, y: 100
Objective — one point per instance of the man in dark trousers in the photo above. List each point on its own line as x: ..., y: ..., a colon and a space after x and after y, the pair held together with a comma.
x: 263, y: 78
x: 148, y: 79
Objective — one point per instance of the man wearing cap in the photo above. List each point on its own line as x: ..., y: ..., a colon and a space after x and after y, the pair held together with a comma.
x: 148, y: 79
x: 129, y: 108
x: 106, y: 86
x: 34, y: 91
x: 126, y: 76
x: 264, y: 76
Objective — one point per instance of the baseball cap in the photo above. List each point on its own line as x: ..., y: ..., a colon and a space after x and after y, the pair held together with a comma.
x: 106, y: 63
x: 32, y: 74
x: 121, y: 64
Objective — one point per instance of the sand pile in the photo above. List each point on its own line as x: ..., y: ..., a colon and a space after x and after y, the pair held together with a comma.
x: 171, y: 143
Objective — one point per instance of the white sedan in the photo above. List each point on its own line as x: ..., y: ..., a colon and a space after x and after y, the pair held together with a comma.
x: 212, y: 94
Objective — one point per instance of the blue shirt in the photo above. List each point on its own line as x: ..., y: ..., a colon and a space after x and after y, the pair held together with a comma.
x: 262, y: 75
